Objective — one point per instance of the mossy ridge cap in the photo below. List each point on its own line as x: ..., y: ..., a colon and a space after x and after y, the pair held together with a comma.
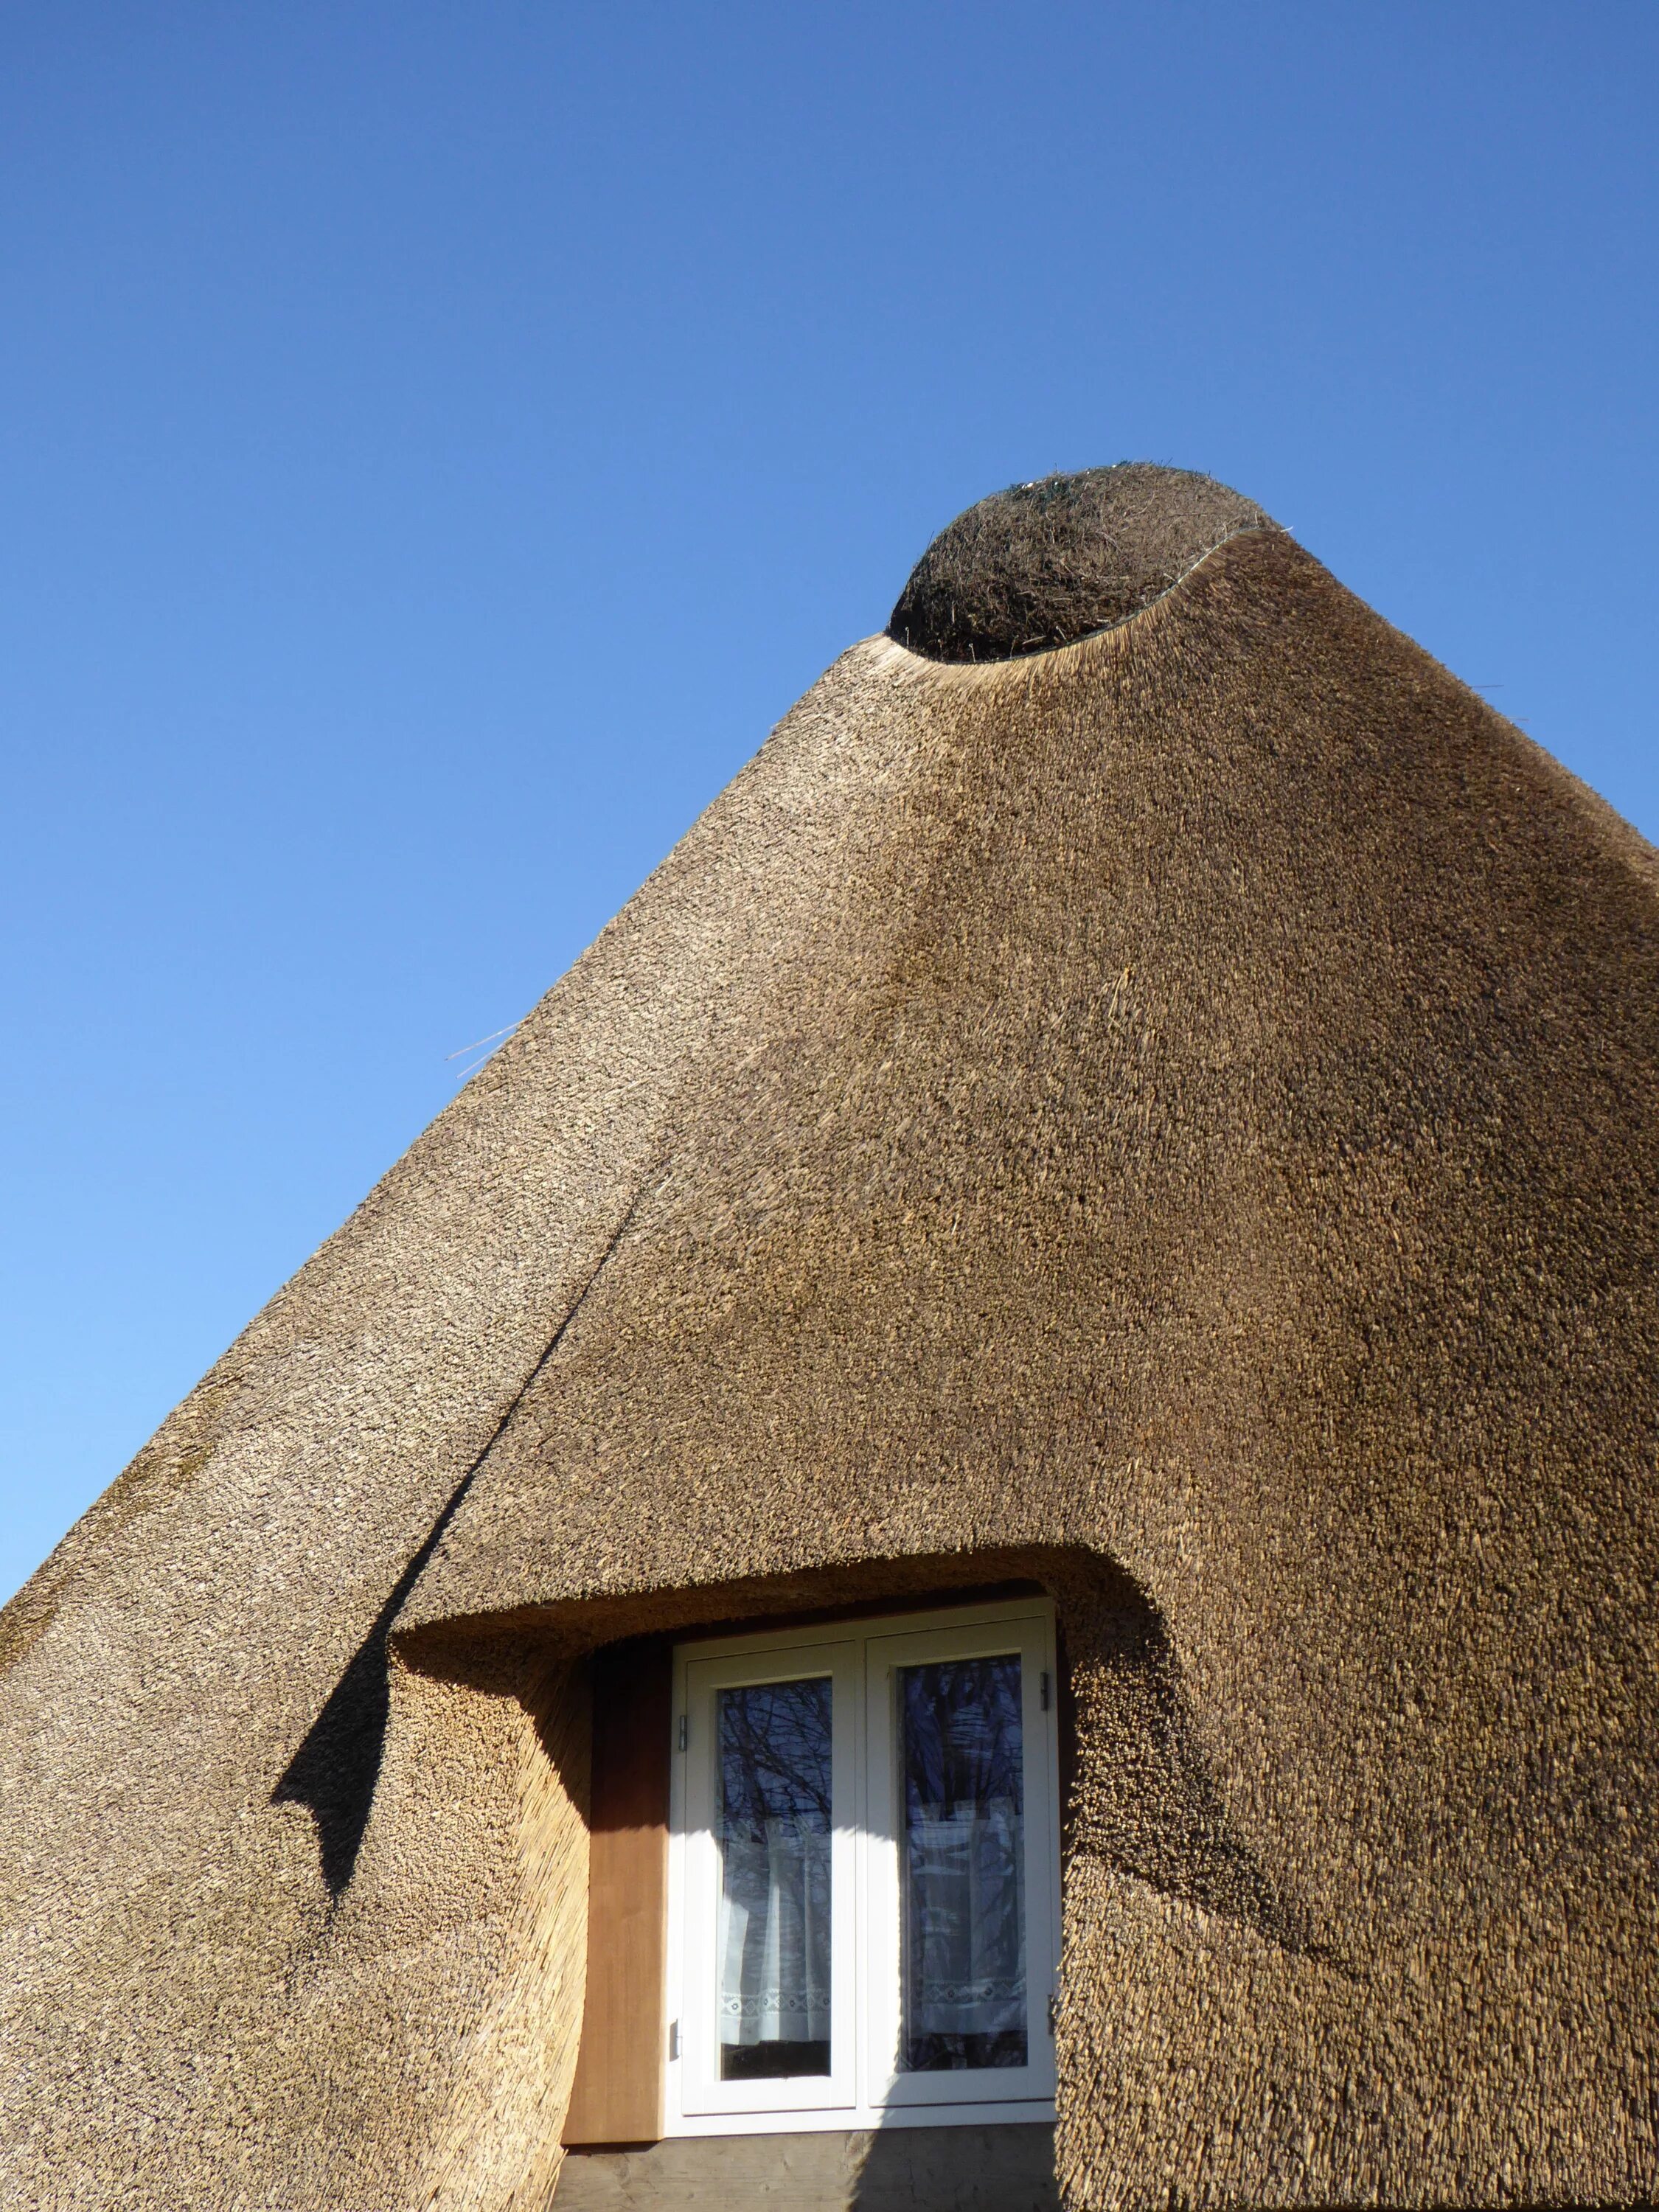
x: 1051, y: 562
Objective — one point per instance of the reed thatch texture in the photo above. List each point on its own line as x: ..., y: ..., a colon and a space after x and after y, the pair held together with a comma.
x: 1172, y: 1114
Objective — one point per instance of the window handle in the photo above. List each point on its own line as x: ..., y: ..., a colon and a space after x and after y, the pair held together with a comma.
x: 1042, y: 1690
x: 673, y: 2039
x: 685, y: 1730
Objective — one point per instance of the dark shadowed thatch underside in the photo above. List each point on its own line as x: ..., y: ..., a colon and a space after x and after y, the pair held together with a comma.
x: 1044, y: 565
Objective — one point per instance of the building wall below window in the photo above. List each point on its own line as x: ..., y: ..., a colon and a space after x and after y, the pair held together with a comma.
x: 954, y: 2169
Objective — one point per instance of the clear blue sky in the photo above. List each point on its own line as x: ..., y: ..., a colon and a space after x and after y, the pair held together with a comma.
x: 439, y: 441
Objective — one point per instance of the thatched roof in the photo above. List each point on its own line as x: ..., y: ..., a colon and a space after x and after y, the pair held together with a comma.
x: 1154, y: 1092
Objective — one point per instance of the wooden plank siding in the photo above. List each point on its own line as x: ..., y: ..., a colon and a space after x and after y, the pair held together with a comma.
x: 617, y: 2096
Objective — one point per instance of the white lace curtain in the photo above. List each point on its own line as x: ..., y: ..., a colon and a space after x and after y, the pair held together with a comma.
x: 775, y: 1935
x: 964, y: 1954
x: 776, y: 1794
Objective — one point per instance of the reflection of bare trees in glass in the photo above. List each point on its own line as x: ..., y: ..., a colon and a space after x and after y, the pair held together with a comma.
x: 964, y: 1941
x: 774, y: 1754
x: 775, y: 1829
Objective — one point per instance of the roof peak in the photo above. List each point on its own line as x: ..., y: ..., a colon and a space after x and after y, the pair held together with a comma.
x: 1044, y: 563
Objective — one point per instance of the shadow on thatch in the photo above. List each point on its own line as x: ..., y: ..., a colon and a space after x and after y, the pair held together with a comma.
x: 335, y: 1768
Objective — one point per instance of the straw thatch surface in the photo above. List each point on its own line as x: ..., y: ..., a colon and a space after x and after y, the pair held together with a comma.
x: 1172, y: 1116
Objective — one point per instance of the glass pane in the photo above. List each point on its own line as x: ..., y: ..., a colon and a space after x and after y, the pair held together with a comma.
x: 774, y: 1879
x: 963, y: 1908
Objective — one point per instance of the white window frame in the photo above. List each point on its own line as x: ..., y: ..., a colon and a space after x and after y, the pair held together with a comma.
x: 864, y: 2088
x: 701, y: 1677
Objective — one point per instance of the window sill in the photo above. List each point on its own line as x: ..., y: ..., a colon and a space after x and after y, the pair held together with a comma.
x: 841, y: 2119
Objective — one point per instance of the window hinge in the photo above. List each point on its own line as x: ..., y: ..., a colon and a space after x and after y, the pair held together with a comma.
x: 685, y: 1729
x: 673, y: 2039
x: 1042, y: 1690
x: 1053, y: 2012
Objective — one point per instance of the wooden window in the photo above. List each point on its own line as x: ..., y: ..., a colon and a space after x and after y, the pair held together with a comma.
x: 863, y: 1876
x: 824, y: 1878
